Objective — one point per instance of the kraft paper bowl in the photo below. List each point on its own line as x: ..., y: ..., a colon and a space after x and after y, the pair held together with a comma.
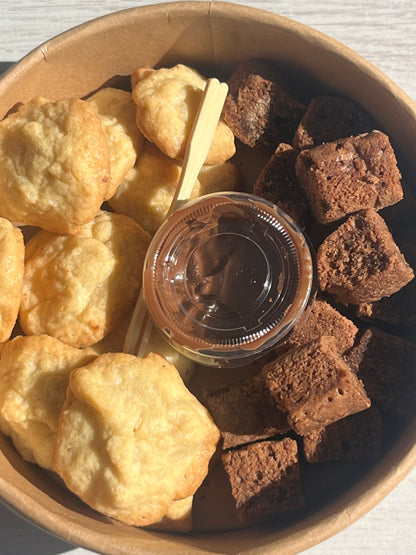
x: 212, y: 37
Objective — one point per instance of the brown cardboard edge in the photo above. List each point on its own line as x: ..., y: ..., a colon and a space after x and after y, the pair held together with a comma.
x: 18, y: 492
x: 261, y: 540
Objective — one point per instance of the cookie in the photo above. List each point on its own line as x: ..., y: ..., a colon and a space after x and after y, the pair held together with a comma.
x: 12, y: 254
x: 54, y: 164
x: 178, y: 517
x: 78, y: 287
x: 34, y: 375
x: 132, y: 438
x: 148, y: 189
x: 222, y: 177
x: 117, y: 112
x: 167, y: 101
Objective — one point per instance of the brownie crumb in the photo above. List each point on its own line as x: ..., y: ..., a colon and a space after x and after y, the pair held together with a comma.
x: 360, y: 262
x: 315, y: 386
x: 348, y: 175
x: 265, y: 479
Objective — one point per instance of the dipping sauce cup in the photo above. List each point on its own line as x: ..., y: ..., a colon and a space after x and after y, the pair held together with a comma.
x: 226, y: 278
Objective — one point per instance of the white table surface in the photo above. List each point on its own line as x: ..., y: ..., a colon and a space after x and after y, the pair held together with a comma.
x: 383, y: 32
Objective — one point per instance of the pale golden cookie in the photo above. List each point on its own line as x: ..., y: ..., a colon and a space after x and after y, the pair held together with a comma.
x: 138, y: 74
x: 12, y: 254
x: 178, y: 517
x: 34, y: 375
x: 78, y: 287
x: 148, y: 189
x: 132, y: 438
x: 224, y: 177
x: 117, y: 112
x: 54, y: 164
x: 167, y: 100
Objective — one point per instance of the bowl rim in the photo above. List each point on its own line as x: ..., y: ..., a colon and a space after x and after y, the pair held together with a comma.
x: 382, y: 478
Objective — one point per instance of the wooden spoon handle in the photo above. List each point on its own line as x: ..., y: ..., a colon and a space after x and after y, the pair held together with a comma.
x: 197, y: 148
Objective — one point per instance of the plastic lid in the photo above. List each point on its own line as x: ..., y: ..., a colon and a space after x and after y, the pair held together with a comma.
x: 226, y: 277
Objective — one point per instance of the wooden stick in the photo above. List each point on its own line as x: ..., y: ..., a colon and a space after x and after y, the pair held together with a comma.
x: 200, y: 140
x: 197, y: 148
x: 140, y: 328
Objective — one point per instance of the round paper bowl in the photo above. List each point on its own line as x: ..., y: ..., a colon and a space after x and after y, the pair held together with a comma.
x: 213, y: 37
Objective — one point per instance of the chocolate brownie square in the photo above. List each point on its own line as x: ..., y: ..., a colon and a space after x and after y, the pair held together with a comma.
x: 348, y: 175
x: 258, y: 108
x: 386, y: 364
x: 315, y: 386
x: 244, y: 411
x: 329, y: 118
x: 278, y: 183
x: 354, y: 438
x: 265, y: 479
x: 320, y: 318
x: 360, y: 262
x: 397, y: 312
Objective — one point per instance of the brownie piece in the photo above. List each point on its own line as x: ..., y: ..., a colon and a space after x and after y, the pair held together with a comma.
x: 360, y: 262
x: 320, y: 318
x: 348, y: 175
x: 258, y: 108
x: 244, y: 411
x: 386, y: 364
x: 265, y: 479
x: 354, y: 438
x: 329, y: 118
x: 398, y: 310
x: 278, y: 183
x: 315, y: 386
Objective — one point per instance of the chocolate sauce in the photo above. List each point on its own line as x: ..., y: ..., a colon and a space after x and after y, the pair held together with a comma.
x: 225, y: 276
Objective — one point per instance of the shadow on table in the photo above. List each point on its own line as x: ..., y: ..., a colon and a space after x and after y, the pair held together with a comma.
x: 5, y: 65
x: 18, y: 536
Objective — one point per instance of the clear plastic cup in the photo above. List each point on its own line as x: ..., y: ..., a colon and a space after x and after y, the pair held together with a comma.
x: 226, y: 277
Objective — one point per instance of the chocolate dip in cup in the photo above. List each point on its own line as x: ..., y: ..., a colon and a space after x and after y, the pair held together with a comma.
x: 226, y: 278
